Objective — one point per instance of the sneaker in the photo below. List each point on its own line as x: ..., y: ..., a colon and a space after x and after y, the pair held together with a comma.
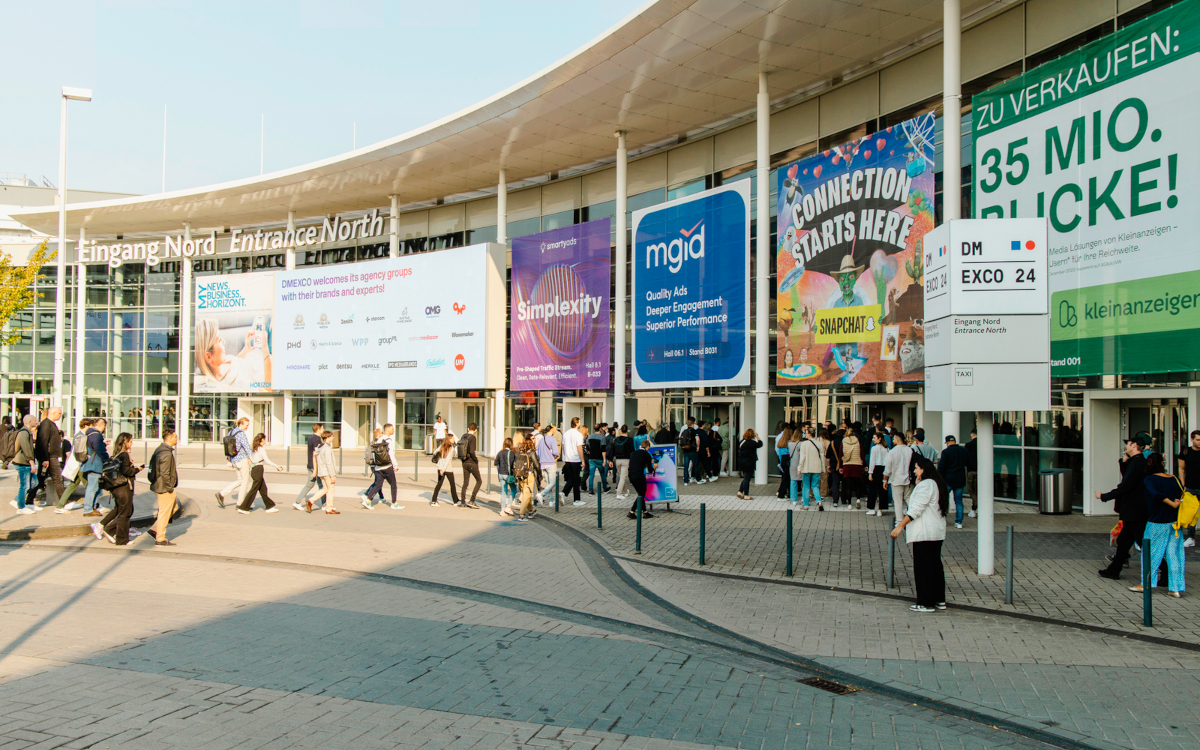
x: 782, y: 499
x: 1110, y: 558
x: 164, y: 543
x: 243, y: 512
x: 433, y: 503
x: 332, y: 512
x: 298, y: 505
x: 108, y: 536
x: 940, y: 605
x: 740, y: 495
x: 74, y: 506
x: 820, y: 507
x: 220, y: 499
x: 472, y: 505
x: 958, y: 525
x: 1189, y: 542
x: 631, y: 515
x: 93, y: 513
x: 56, y: 510
x: 134, y: 534
x: 13, y: 503
x: 971, y: 514
x: 1106, y: 573
x: 29, y: 511
x: 153, y: 534
x: 366, y: 503
x: 273, y: 509
x: 394, y: 506
x: 922, y: 610
x: 647, y: 514
x: 97, y: 531
x: 578, y: 503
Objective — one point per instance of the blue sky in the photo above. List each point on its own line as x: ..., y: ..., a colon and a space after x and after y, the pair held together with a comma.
x: 314, y: 69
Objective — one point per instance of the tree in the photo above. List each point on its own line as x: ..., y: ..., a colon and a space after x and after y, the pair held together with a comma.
x: 16, y: 289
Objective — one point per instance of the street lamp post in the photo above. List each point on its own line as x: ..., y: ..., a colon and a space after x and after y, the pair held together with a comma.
x: 60, y: 301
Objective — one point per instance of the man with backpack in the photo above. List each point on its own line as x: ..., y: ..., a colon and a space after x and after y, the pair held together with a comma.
x: 597, y: 458
x: 97, y: 455
x: 622, y: 452
x: 383, y: 461
x: 48, y: 452
x: 163, y: 478
x: 546, y: 451
x: 18, y: 451
x: 470, y: 465
x: 79, y: 452
x: 237, y: 452
x: 689, y: 446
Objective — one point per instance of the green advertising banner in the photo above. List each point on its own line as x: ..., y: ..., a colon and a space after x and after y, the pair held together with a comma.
x: 1097, y: 142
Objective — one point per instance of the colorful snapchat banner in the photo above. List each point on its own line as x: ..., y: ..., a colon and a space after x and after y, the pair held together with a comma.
x: 851, y: 223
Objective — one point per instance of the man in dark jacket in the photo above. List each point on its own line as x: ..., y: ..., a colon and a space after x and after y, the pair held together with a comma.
x: 953, y: 468
x: 97, y: 455
x: 48, y: 450
x: 1130, y: 504
x: 164, y: 478
x: 314, y: 441
x: 470, y: 466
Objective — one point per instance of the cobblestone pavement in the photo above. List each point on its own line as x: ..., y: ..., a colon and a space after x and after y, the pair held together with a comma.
x: 256, y: 632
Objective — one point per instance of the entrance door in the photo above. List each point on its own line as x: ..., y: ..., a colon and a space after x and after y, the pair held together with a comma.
x: 158, y: 415
x: 904, y: 413
x: 365, y: 427
x: 1163, y: 423
x: 473, y: 414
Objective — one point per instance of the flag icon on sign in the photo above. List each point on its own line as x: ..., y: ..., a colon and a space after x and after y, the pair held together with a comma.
x: 1026, y: 245
x: 941, y: 251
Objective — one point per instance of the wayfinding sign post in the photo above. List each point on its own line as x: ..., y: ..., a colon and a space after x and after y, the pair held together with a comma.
x: 987, y: 334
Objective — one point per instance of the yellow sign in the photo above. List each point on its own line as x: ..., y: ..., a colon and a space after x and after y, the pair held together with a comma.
x: 840, y: 325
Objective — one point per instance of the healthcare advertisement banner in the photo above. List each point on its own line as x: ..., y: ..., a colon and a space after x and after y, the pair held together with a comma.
x: 233, y: 338
x: 691, y: 291
x: 662, y: 485
x: 850, y: 266
x: 427, y: 321
x: 560, y: 308
x: 1095, y: 142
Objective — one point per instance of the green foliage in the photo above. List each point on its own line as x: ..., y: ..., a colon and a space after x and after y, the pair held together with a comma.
x: 16, y: 289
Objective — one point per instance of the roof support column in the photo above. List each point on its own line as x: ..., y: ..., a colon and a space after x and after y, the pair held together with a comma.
x: 619, y: 268
x: 60, y: 303
x: 394, y: 228
x: 951, y: 159
x: 183, y: 411
x: 289, y: 255
x: 502, y: 209
x: 80, y: 326
x: 762, y: 303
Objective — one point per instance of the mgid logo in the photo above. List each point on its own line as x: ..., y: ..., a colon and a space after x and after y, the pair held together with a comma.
x: 689, y: 244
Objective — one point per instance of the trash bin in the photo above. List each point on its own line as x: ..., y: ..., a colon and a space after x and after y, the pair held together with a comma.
x: 1055, y: 488
x: 429, y: 445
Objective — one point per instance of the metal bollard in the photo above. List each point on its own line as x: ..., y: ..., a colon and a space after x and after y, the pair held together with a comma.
x: 1008, y: 568
x: 599, y: 513
x: 891, y: 569
x: 491, y: 465
x: 789, y: 542
x: 1147, y: 591
x: 288, y: 451
x: 701, y: 533
x: 340, y: 454
x: 416, y: 456
x: 637, y: 549
x: 555, y: 491
x: 146, y: 455
x: 203, y: 455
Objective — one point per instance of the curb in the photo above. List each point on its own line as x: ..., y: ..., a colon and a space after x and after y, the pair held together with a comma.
x: 186, y: 504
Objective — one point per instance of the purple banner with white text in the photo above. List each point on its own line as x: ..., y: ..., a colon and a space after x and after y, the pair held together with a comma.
x: 560, y: 308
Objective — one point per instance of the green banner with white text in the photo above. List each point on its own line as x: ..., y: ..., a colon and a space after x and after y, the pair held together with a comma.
x: 1101, y: 143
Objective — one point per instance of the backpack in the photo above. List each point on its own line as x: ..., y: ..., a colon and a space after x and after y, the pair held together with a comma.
x: 380, y: 456
x: 79, y: 447
x: 152, y: 475
x: 8, y: 446
x: 1189, y: 511
x: 111, y: 476
x: 230, y: 443
x: 715, y: 437
x: 522, y: 467
x: 687, y: 441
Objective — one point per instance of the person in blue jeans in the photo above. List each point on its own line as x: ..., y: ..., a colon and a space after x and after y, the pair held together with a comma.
x: 953, y: 467
x: 596, y: 458
x: 24, y: 463
x: 97, y: 454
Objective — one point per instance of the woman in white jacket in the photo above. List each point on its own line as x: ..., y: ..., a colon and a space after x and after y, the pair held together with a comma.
x: 925, y: 521
x: 325, y: 468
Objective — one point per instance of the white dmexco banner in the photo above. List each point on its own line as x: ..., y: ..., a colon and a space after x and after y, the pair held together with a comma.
x: 429, y: 321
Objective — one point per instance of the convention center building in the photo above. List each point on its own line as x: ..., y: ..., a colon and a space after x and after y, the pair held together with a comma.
x: 714, y: 209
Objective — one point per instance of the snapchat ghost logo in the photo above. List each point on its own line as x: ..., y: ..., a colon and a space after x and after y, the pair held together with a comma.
x: 870, y: 324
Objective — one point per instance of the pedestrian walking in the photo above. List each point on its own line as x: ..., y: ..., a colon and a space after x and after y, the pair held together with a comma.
x: 1163, y: 494
x: 1130, y: 503
x: 623, y: 449
x: 953, y: 467
x: 833, y: 458
x: 440, y: 429
x: 326, y: 469
x: 163, y: 478
x: 524, y: 472
x: 470, y: 464
x: 442, y: 457
x: 714, y: 442
x: 1189, y: 461
x: 385, y: 466
x: 597, y: 459
x: 73, y: 468
x: 610, y: 439
x: 747, y: 461
x: 259, y: 460
x: 97, y: 455
x: 924, y: 526
x: 641, y: 462
x: 311, y: 444
x: 807, y: 466
x: 782, y: 440
x: 237, y: 452
x: 853, y: 469
x: 48, y: 451
x: 920, y: 446
x: 723, y: 462
x: 572, y: 454
x: 876, y: 494
x: 25, y: 463
x: 504, y: 470
x: 119, y: 474
x: 896, y: 479
x: 547, y: 458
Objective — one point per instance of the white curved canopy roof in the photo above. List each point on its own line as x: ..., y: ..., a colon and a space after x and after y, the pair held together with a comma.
x: 672, y: 68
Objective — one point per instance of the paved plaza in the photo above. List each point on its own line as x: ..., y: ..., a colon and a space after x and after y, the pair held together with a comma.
x: 445, y: 627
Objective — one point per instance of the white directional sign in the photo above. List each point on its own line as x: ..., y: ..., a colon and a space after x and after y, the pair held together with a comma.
x: 987, y: 324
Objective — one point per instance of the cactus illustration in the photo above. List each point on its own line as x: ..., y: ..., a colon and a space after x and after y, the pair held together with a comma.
x: 880, y: 291
x: 916, y: 266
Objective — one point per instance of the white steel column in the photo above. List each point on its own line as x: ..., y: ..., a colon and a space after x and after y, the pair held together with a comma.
x: 394, y: 228
x: 80, y: 326
x: 391, y: 407
x: 289, y: 255
x: 502, y: 209
x: 185, y: 340
x: 987, y: 521
x: 60, y: 302
x: 619, y: 269
x: 762, y: 345
x: 951, y: 146
x: 287, y: 419
x: 498, y: 403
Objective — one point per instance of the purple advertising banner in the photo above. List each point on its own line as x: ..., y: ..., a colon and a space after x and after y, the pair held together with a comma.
x: 560, y: 300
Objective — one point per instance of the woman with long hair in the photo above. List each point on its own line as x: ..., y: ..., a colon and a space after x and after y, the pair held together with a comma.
x: 852, y: 469
x: 508, y: 483
x: 1163, y: 495
x: 781, y: 450
x: 528, y: 486
x: 445, y: 472
x: 258, y: 459
x: 115, y: 525
x: 747, y: 461
x: 925, y: 521
x: 639, y: 463
x: 233, y: 373
x: 326, y: 470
